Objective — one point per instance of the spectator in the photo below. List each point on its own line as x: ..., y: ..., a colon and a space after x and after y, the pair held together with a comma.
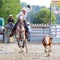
x: 29, y: 31
x: 10, y: 20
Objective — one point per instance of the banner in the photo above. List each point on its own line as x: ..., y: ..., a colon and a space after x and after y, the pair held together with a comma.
x: 55, y: 0
x: 55, y: 3
x: 59, y: 3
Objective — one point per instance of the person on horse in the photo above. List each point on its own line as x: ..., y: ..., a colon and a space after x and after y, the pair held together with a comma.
x: 10, y: 20
x: 22, y: 14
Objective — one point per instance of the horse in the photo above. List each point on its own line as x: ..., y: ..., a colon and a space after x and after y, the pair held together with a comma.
x: 21, y: 36
x: 47, y: 42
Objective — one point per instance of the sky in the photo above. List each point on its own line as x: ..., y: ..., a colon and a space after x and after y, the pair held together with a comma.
x: 38, y: 2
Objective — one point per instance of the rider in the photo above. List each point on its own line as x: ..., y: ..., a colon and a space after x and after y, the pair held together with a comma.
x: 22, y: 15
x: 10, y: 20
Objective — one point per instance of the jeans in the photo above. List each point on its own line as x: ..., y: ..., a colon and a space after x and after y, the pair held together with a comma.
x: 14, y: 28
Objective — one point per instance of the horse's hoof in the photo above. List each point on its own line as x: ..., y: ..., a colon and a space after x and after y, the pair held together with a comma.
x: 45, y: 51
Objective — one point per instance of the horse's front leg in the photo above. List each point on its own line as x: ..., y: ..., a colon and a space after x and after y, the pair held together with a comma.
x: 22, y: 49
x: 18, y: 42
x: 26, y: 46
x: 21, y: 43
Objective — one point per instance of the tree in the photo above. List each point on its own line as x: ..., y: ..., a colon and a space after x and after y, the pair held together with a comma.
x: 8, y: 7
x: 44, y: 17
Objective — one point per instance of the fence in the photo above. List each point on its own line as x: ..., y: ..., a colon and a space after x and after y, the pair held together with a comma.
x: 40, y: 30
x: 55, y: 32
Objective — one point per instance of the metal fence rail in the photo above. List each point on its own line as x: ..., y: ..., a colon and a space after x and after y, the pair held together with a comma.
x: 39, y: 31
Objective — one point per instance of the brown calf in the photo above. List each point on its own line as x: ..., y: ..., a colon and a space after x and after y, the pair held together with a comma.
x: 47, y: 42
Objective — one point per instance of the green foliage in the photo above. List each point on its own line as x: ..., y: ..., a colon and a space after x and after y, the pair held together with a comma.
x: 44, y: 17
x: 8, y: 7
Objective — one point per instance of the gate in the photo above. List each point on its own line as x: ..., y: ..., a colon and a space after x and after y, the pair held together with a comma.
x: 39, y: 31
x: 55, y: 30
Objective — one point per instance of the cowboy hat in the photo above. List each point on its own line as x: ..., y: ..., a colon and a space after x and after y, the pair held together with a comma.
x: 10, y: 15
x: 24, y: 9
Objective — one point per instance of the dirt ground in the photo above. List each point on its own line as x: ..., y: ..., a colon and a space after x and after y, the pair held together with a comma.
x: 36, y: 52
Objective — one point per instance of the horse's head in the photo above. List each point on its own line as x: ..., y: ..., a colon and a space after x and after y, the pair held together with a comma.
x: 21, y: 19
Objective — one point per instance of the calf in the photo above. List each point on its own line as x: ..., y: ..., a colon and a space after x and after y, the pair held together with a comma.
x: 47, y: 42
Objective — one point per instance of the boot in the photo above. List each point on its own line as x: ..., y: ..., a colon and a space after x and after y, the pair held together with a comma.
x: 11, y: 34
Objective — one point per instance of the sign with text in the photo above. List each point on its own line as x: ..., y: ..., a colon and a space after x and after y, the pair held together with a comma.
x: 55, y: 3
x: 55, y: 0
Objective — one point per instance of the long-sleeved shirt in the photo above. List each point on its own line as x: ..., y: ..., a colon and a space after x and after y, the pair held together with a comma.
x: 22, y: 16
